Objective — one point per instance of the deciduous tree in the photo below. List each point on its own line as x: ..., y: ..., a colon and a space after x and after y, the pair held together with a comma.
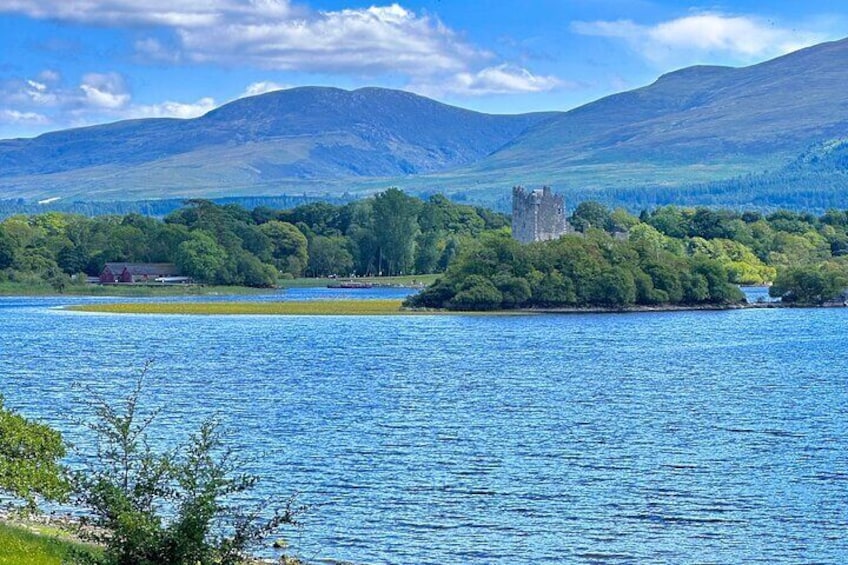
x: 30, y: 455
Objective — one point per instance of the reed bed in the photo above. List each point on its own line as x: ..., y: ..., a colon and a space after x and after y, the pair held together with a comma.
x: 287, y: 308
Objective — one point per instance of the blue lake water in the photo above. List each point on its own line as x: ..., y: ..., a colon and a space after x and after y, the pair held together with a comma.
x: 685, y: 437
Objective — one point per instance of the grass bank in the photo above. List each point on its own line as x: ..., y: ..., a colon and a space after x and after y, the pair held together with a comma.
x: 20, y: 545
x: 23, y: 289
x: 42, y: 288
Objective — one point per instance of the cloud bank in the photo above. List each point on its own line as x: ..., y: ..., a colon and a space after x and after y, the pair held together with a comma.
x: 685, y: 40
x: 98, y: 97
x: 281, y: 36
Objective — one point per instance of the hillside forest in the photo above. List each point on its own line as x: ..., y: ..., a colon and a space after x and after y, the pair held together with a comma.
x: 668, y: 255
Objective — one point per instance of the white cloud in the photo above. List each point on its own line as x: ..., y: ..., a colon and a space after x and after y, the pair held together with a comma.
x: 106, y: 91
x: 37, y: 86
x: 364, y: 41
x: 151, y: 49
x: 172, y: 109
x: 499, y: 79
x: 279, y: 35
x: 502, y: 79
x: 262, y: 87
x: 170, y: 13
x: 16, y: 117
x: 740, y: 38
x: 39, y: 94
x: 274, y: 34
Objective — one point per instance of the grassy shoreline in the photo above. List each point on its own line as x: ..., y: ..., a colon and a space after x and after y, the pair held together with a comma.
x: 126, y: 291
x: 28, y: 544
x: 355, y: 307
x: 8, y: 288
x: 290, y: 308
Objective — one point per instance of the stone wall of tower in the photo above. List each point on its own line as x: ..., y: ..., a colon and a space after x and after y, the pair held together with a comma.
x: 537, y: 215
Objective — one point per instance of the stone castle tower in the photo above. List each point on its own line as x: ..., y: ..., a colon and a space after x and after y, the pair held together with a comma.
x: 537, y: 215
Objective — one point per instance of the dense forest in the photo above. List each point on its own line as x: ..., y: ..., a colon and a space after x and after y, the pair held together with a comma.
x: 668, y: 256
x: 391, y: 233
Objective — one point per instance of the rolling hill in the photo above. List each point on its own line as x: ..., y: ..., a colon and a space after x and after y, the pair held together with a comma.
x: 693, y: 126
x: 690, y: 128
x: 300, y: 137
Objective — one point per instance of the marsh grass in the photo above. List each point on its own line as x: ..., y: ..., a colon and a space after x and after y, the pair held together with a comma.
x: 292, y: 308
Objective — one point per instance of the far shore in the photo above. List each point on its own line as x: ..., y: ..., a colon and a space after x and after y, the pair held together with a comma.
x: 144, y: 290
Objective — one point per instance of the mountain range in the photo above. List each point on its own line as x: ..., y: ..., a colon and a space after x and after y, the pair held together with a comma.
x: 692, y: 129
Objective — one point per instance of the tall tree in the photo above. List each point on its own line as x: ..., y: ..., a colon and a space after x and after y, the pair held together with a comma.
x: 290, y: 252
x: 200, y: 257
x: 328, y: 256
x: 396, y: 227
x: 7, y: 249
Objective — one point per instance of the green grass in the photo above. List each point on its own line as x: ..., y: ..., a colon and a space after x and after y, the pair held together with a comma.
x: 23, y: 289
x: 312, y: 308
x: 20, y: 546
x: 39, y: 288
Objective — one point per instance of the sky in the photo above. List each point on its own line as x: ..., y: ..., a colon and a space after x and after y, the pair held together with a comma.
x: 73, y: 63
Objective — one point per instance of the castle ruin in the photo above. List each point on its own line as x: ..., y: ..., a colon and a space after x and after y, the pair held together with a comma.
x: 537, y: 215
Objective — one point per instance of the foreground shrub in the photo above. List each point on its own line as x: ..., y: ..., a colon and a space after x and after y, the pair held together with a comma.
x: 174, y: 507
x: 29, y: 459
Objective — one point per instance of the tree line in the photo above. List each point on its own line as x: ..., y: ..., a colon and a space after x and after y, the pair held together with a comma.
x: 666, y: 256
x: 390, y: 233
x: 156, y: 208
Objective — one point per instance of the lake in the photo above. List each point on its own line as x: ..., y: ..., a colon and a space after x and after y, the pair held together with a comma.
x: 679, y: 437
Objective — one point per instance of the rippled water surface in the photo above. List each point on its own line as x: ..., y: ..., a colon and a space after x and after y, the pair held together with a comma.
x: 687, y: 437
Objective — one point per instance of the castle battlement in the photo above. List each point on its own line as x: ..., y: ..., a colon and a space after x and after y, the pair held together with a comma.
x: 537, y: 215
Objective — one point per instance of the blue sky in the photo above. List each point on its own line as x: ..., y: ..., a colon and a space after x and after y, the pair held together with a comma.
x: 71, y: 63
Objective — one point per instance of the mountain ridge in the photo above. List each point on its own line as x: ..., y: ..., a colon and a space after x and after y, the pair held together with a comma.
x: 693, y: 125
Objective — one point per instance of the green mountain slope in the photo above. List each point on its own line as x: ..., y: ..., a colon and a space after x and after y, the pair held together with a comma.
x: 690, y: 128
x: 694, y: 125
x: 287, y: 138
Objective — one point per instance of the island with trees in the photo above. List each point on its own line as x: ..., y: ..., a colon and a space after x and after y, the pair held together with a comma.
x: 668, y: 257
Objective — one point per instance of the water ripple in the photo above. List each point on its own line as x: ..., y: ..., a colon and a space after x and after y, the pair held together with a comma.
x: 688, y: 437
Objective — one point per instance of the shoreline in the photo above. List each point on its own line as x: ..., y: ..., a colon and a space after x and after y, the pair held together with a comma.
x: 143, y: 290
x: 71, y: 529
x: 640, y: 309
x: 382, y: 307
